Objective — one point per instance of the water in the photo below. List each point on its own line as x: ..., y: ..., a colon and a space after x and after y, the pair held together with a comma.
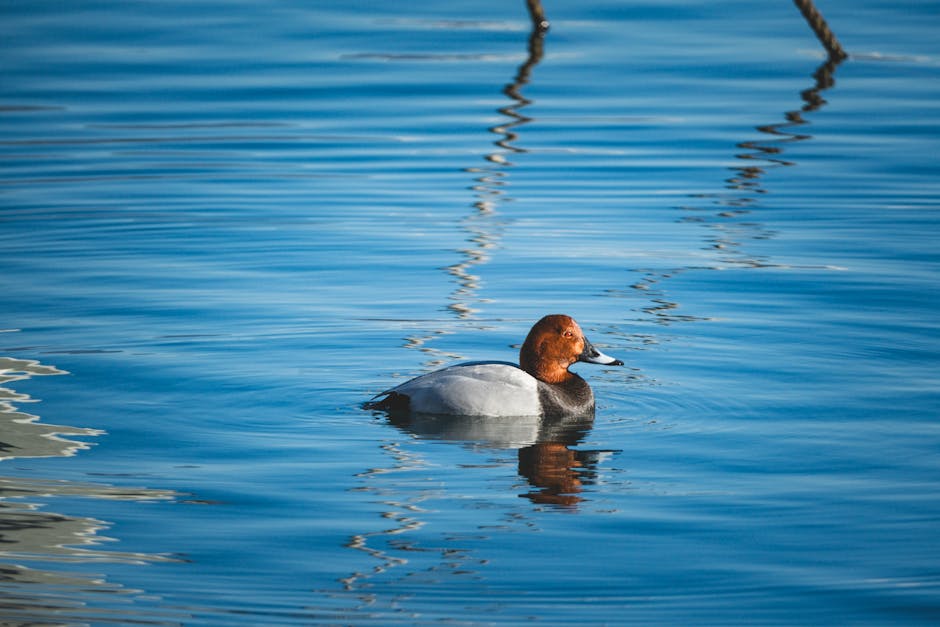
x: 225, y: 226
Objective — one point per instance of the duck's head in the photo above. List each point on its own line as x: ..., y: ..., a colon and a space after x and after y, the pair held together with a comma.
x: 553, y: 345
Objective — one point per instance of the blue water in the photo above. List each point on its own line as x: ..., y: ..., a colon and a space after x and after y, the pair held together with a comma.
x: 227, y: 225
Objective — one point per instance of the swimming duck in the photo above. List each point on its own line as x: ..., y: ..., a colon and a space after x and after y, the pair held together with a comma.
x: 541, y: 385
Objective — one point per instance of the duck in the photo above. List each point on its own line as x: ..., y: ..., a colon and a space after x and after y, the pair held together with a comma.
x: 541, y: 384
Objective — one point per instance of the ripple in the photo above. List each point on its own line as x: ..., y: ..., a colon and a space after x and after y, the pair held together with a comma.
x: 425, y: 56
x: 231, y: 232
x: 478, y: 25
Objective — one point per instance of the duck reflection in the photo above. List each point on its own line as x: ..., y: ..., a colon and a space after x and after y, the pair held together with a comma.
x: 556, y: 473
x: 28, y: 534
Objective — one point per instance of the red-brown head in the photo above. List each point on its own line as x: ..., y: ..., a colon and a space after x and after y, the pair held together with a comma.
x: 554, y: 343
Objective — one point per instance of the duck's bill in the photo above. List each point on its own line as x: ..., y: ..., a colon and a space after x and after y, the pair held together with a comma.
x: 593, y: 356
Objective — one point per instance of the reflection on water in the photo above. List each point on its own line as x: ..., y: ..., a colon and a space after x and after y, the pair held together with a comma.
x: 246, y: 247
x: 727, y: 230
x: 483, y: 227
x: 765, y: 154
x: 32, y: 535
x: 21, y: 435
x: 555, y: 472
x: 761, y: 157
x: 401, y: 514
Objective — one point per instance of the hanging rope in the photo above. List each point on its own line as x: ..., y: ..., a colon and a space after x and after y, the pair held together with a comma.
x: 538, y: 15
x: 819, y: 26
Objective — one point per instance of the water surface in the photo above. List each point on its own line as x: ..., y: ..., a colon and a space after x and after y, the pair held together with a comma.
x: 225, y: 227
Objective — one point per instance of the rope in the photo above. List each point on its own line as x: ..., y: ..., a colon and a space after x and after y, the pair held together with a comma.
x: 539, y: 21
x: 821, y: 29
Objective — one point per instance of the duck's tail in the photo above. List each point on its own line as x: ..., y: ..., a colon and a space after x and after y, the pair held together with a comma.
x: 391, y: 402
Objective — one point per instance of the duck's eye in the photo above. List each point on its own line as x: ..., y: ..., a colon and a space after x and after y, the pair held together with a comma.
x: 568, y: 334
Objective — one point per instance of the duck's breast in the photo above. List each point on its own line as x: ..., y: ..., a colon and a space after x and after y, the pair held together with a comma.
x: 571, y: 398
x: 474, y: 389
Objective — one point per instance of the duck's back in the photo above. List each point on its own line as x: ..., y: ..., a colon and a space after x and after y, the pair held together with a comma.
x: 481, y: 388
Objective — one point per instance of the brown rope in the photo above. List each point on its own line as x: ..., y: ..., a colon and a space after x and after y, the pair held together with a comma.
x: 539, y: 21
x: 815, y: 20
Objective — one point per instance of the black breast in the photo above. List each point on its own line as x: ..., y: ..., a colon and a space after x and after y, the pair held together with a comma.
x: 572, y: 398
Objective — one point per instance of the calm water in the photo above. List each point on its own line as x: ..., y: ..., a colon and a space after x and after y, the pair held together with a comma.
x: 226, y: 225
